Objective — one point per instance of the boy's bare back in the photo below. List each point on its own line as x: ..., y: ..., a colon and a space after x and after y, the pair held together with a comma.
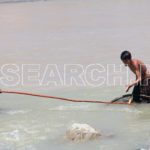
x: 138, y: 65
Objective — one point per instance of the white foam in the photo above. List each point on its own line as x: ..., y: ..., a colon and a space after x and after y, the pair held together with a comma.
x: 11, y: 136
x: 14, y: 112
x: 128, y: 110
x: 70, y: 107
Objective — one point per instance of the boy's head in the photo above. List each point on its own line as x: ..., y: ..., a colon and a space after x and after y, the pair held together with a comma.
x: 126, y: 57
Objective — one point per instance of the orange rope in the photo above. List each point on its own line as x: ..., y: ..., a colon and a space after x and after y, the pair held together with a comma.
x: 66, y: 99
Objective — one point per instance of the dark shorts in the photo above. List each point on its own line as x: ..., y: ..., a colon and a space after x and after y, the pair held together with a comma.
x: 141, y: 91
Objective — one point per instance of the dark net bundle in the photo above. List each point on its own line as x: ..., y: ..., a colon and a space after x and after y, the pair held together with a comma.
x: 141, y: 92
x: 136, y: 98
x: 122, y: 99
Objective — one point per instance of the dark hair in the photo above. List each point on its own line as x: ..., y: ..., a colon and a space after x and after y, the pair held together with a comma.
x: 125, y: 55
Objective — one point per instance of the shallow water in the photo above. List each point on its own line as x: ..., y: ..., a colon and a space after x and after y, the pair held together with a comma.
x: 72, y: 32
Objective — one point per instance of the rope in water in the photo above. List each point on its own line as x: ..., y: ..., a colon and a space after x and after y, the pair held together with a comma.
x: 66, y: 99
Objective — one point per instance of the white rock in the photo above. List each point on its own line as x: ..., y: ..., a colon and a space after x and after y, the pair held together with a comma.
x: 81, y: 132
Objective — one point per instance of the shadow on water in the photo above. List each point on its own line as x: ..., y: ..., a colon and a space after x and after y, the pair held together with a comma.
x: 19, y: 1
x: 2, y: 110
x: 5, y: 111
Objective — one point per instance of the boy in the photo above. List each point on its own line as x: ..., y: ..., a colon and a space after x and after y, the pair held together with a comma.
x: 142, y: 83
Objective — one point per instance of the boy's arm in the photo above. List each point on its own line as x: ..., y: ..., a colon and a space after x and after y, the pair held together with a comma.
x: 138, y: 74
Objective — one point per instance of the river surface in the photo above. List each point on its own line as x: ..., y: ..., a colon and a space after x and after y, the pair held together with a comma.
x: 78, y: 34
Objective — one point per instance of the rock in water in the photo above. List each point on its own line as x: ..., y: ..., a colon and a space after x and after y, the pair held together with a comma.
x: 81, y: 132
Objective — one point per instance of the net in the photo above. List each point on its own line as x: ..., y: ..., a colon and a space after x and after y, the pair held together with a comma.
x: 136, y: 99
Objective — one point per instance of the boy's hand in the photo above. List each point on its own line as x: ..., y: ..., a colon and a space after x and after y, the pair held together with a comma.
x: 128, y: 87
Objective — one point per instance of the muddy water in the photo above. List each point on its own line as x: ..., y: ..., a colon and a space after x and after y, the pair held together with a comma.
x: 71, y: 32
